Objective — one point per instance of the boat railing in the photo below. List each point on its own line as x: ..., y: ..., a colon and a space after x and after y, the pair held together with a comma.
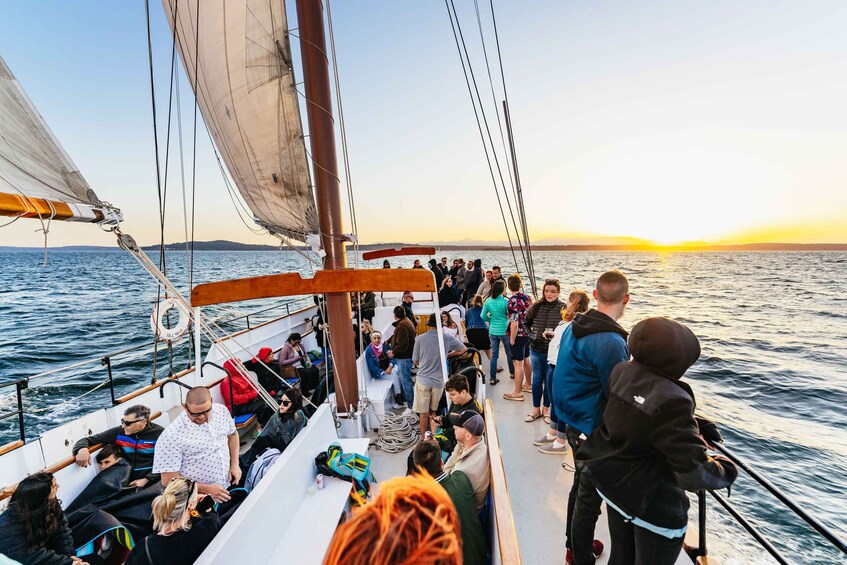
x: 106, y: 361
x: 745, y: 523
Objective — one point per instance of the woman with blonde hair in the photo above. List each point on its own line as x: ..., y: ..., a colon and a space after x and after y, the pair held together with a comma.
x: 554, y: 441
x: 411, y: 521
x: 182, y: 534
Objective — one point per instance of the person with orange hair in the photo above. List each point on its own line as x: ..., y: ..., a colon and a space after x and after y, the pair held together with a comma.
x: 411, y: 521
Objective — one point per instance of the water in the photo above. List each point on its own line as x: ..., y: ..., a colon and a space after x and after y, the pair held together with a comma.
x: 773, y: 372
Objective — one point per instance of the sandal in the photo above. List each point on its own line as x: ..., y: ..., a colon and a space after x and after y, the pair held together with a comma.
x: 547, y: 419
x: 532, y: 417
x: 526, y: 388
x: 512, y: 396
x: 493, y: 381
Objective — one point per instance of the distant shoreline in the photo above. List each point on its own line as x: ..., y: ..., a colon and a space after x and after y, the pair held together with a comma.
x: 235, y: 246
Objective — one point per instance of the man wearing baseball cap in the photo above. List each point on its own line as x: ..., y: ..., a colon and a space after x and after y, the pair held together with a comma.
x: 471, y: 454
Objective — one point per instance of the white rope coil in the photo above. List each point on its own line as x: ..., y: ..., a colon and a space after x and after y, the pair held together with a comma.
x: 397, y: 433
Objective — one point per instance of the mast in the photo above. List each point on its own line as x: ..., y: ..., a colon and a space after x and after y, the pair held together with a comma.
x: 310, y: 22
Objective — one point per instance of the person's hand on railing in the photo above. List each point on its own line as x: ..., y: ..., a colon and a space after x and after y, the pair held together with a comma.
x: 83, y: 457
x: 139, y: 483
x: 709, y: 432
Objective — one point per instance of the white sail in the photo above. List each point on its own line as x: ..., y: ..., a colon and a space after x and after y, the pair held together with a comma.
x: 245, y: 88
x: 32, y: 162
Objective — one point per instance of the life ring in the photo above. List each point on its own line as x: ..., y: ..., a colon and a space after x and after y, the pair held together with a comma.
x: 160, y: 329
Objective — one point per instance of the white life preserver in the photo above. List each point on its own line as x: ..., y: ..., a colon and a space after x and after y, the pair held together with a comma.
x: 163, y: 332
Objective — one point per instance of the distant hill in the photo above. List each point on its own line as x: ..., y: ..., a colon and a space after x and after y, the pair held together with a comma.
x: 222, y: 245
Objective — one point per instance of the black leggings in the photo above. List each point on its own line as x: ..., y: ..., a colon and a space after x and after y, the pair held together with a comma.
x: 633, y: 545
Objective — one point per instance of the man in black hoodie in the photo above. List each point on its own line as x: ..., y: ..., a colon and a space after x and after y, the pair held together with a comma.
x: 650, y: 448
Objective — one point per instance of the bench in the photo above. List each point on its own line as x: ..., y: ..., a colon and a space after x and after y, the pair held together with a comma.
x: 280, y: 519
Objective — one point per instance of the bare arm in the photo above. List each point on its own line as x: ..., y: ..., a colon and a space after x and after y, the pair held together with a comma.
x: 234, y: 467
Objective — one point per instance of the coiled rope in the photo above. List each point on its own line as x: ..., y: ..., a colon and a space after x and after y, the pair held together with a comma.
x: 397, y: 433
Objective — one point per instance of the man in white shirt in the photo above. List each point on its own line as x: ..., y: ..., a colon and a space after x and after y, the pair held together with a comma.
x: 201, y: 445
x: 471, y: 453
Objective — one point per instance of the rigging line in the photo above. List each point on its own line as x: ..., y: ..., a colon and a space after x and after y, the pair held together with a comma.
x: 482, y: 138
x: 506, y: 110
x: 487, y: 129
x: 458, y: 27
x: 194, y: 151
x: 344, y: 149
x: 182, y: 170
x: 493, y: 96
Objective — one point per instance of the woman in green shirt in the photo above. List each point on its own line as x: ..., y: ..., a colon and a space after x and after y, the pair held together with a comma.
x: 494, y: 312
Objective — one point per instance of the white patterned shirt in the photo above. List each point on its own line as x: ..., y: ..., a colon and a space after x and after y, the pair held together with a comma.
x: 199, y: 452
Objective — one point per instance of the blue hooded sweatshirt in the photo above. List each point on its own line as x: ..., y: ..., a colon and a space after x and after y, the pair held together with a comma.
x: 592, y: 344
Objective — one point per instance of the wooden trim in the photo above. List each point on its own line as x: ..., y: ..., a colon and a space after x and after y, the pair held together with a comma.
x: 6, y: 492
x: 11, y: 446
x: 31, y: 207
x: 292, y: 284
x: 398, y: 251
x: 505, y: 523
x: 154, y: 386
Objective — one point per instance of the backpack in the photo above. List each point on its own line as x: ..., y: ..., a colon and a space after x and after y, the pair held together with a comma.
x: 350, y: 467
x: 260, y: 467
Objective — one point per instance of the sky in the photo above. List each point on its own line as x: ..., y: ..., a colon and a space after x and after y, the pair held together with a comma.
x: 662, y: 121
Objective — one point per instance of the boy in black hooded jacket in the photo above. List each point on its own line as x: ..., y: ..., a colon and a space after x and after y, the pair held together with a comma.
x: 650, y: 448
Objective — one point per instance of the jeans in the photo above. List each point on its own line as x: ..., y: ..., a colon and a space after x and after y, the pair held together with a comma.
x: 583, y: 509
x: 538, y: 361
x: 394, y: 377
x: 496, y: 340
x: 561, y: 426
x: 404, y: 368
x: 632, y: 544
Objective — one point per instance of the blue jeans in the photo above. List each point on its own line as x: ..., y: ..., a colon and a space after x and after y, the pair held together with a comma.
x: 538, y: 361
x: 404, y: 367
x: 550, y: 393
x: 496, y: 340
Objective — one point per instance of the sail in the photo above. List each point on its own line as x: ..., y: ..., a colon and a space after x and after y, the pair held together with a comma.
x: 245, y: 88
x: 33, y: 164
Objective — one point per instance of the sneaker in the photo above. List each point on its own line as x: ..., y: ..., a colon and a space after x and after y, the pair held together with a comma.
x: 399, y: 406
x: 543, y: 440
x: 553, y: 449
x: 408, y: 412
x: 596, y: 549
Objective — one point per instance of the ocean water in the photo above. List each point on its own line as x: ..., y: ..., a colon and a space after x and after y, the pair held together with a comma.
x: 772, y: 374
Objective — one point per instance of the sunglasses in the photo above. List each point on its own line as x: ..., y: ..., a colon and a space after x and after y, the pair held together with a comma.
x: 198, y: 414
x: 130, y: 422
x: 285, y: 403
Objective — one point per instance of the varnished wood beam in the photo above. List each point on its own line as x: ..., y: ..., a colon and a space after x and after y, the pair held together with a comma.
x: 396, y: 252
x: 507, y: 535
x: 292, y: 284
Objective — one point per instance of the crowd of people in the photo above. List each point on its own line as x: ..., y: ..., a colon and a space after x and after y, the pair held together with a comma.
x: 614, y: 398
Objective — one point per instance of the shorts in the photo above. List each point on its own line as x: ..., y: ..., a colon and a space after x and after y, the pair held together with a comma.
x: 426, y: 398
x: 520, y: 350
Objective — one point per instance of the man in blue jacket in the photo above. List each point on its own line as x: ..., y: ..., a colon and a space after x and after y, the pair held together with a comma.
x: 591, y: 346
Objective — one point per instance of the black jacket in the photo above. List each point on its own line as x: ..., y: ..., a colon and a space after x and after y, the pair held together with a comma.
x: 268, y: 378
x: 648, y: 450
x: 138, y: 449
x: 543, y: 315
x: 474, y: 278
x: 56, y: 551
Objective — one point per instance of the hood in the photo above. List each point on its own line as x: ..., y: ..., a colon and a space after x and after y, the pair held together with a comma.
x: 433, y: 263
x: 594, y: 322
x: 665, y: 346
x: 477, y: 264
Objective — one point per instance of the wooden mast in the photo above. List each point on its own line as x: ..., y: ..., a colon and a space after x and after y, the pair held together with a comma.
x: 310, y: 22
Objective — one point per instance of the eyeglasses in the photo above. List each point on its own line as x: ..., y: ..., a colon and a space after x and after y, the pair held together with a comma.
x: 198, y: 414
x: 131, y: 422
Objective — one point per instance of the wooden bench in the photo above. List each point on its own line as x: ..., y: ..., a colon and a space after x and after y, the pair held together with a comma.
x: 504, y: 534
x: 281, y: 518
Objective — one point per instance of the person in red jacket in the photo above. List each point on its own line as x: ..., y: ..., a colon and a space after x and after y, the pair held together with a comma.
x: 241, y: 397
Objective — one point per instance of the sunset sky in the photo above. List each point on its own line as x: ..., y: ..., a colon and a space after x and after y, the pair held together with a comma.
x: 664, y: 121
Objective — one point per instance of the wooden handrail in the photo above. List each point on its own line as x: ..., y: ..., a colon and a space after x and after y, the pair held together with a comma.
x: 6, y: 492
x: 505, y: 523
x: 11, y: 446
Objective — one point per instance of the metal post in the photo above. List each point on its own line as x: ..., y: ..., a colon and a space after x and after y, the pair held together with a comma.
x: 198, y: 334
x: 107, y: 362
x: 19, y: 388
x: 310, y: 22
x: 701, y: 500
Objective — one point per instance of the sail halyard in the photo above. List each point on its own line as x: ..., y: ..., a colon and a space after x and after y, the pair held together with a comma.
x: 37, y: 177
x: 245, y: 89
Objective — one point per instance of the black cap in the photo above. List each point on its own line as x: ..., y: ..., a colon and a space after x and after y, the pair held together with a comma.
x: 469, y: 420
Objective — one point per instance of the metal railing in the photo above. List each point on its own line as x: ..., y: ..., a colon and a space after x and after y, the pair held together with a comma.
x: 760, y: 537
x: 106, y: 361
